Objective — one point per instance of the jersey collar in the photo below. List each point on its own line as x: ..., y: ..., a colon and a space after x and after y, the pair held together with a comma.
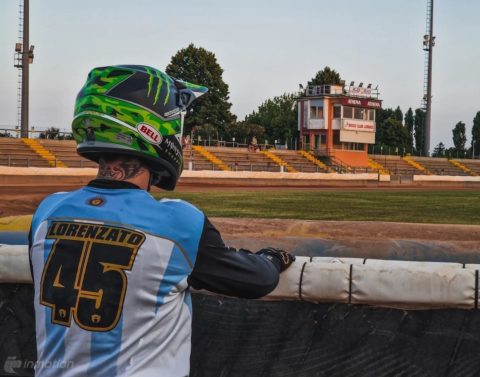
x: 112, y: 184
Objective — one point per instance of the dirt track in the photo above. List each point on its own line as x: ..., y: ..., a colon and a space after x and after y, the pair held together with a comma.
x: 24, y: 200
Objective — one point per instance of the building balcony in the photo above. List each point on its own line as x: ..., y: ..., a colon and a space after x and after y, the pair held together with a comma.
x: 316, y: 124
x: 322, y: 90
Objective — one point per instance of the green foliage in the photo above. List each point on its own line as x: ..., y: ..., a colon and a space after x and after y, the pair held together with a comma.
x: 439, y: 150
x: 391, y: 134
x: 424, y: 206
x: 398, y: 115
x: 241, y: 131
x: 199, y: 66
x: 326, y: 76
x: 409, y: 121
x: 383, y: 114
x: 207, y: 131
x: 278, y: 117
x: 419, y: 131
x: 476, y: 135
x: 459, y: 137
x: 54, y: 133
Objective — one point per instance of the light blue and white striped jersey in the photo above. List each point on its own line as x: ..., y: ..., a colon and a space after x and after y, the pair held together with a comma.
x: 110, y: 269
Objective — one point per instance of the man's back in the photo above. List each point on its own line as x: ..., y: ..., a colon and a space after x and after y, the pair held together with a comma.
x: 110, y: 270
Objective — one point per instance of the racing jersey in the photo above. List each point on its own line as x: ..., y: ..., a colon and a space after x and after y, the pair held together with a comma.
x: 111, y: 268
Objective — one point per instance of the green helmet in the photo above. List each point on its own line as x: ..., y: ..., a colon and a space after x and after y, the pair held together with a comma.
x: 134, y: 110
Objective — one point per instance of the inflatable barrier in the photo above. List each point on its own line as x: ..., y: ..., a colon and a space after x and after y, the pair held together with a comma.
x: 329, y: 316
x: 401, y: 284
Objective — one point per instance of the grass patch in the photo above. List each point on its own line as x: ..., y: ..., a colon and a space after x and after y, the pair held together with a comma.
x: 437, y: 207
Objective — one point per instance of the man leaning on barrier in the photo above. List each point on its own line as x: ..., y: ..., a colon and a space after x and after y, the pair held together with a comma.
x: 111, y: 265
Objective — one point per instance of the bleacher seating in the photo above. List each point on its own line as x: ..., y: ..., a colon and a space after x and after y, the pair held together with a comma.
x: 473, y: 165
x: 13, y: 152
x: 241, y: 159
x: 396, y: 165
x: 198, y: 161
x: 66, y: 151
x: 439, y: 166
x: 298, y: 162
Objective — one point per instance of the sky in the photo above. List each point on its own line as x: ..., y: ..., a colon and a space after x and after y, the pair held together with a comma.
x: 266, y: 48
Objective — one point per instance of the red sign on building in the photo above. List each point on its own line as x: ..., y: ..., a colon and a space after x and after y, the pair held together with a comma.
x: 362, y: 102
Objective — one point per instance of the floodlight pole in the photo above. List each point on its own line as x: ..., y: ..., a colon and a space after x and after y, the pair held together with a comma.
x: 25, y: 67
x: 428, y: 115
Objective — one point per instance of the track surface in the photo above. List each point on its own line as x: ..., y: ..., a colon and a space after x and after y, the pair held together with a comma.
x: 23, y: 200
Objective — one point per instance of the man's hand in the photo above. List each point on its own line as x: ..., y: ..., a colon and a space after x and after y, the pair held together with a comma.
x: 285, y: 258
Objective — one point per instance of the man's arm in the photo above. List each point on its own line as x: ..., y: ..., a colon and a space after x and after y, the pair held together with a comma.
x: 241, y: 273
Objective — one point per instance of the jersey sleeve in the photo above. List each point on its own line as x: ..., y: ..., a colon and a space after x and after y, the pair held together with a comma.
x: 225, y: 270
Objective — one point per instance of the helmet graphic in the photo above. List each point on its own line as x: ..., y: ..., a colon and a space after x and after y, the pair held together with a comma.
x: 134, y: 110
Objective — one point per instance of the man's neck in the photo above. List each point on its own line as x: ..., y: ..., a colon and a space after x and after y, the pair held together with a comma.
x: 125, y: 170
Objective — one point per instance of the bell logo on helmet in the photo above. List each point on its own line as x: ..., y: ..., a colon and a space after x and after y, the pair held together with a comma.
x: 149, y: 133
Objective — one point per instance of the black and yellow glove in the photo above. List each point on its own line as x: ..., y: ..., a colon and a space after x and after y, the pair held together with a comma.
x: 282, y: 258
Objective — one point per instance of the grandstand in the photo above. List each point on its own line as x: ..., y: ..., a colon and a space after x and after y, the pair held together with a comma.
x: 62, y: 153
x: 440, y: 166
x: 40, y: 153
x: 66, y: 152
x: 301, y: 163
x: 240, y: 159
x: 13, y: 152
x: 472, y: 165
x: 396, y: 165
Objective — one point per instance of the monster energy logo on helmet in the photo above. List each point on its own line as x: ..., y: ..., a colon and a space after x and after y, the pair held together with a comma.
x: 134, y: 110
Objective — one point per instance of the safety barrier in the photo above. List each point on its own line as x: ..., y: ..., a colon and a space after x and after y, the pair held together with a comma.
x: 399, y: 284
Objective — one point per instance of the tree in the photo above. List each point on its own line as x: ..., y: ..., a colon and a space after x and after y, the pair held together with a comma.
x: 207, y: 132
x: 419, y: 130
x: 476, y: 135
x: 398, y: 115
x: 327, y: 76
x: 199, y: 66
x: 392, y: 135
x: 383, y: 114
x: 409, y: 120
x: 439, y: 150
x: 54, y: 133
x: 459, y: 137
x: 241, y: 130
x: 278, y: 116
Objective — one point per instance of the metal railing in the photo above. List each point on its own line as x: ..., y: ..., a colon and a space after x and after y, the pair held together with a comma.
x: 36, y: 134
x: 13, y: 161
